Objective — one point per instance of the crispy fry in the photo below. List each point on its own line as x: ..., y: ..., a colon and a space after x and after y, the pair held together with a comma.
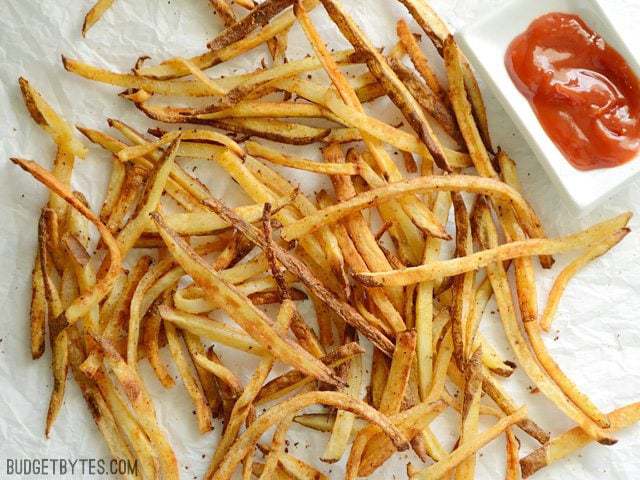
x: 269, y: 418
x: 251, y: 319
x: 523, y: 248
x: 420, y: 184
x: 560, y: 284
x: 398, y: 378
x: 385, y: 75
x: 258, y: 17
x: 487, y: 236
x: 150, y: 336
x: 38, y: 311
x: 50, y: 121
x: 208, y: 59
x: 470, y: 411
x: 83, y: 304
x: 194, y: 389
x: 95, y: 14
x: 469, y: 447
x: 344, y: 310
x: 139, y: 398
x: 572, y: 440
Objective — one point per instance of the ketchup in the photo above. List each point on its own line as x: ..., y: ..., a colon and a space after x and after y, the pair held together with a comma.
x: 583, y: 92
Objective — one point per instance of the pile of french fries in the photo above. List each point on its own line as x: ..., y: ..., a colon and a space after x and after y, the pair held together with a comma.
x: 369, y: 256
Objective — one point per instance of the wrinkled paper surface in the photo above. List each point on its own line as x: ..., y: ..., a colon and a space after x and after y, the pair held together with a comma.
x: 596, y: 335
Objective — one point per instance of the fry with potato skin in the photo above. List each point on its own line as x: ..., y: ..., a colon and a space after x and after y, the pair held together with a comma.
x: 561, y: 281
x: 81, y: 305
x: 470, y: 411
x: 344, y: 310
x: 385, y: 75
x: 487, y: 236
x: 507, y: 251
x: 274, y: 415
x: 572, y: 440
x: 95, y: 14
x: 468, y: 448
x: 141, y: 403
x: 421, y: 184
x: 251, y: 319
x: 194, y: 389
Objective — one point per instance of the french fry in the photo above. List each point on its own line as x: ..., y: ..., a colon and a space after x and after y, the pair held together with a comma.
x: 424, y: 304
x: 469, y: 447
x: 274, y: 415
x: 344, y: 421
x: 343, y: 310
x: 208, y: 59
x: 470, y: 411
x: 95, y: 14
x: 420, y: 184
x: 251, y: 319
x: 150, y: 336
x: 379, y: 446
x: 573, y: 440
x: 194, y: 389
x: 141, y: 403
x: 385, y: 75
x: 201, y: 76
x: 438, y: 32
x: 195, y: 88
x: 487, y: 236
x: 523, y: 248
x: 258, y: 17
x: 561, y: 281
x: 398, y: 378
x: 38, y: 311
x: 83, y: 304
x: 419, y: 60
x: 45, y: 116
x: 57, y: 335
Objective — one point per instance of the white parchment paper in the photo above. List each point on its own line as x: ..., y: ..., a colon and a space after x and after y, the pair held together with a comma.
x: 596, y: 336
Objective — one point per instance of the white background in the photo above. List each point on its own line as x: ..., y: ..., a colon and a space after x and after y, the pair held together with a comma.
x: 597, y: 340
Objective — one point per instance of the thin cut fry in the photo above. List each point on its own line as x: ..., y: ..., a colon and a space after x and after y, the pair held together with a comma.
x: 560, y: 284
x: 573, y: 440
x: 95, y: 14
x: 507, y: 251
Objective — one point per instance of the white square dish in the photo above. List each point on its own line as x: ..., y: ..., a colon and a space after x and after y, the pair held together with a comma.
x: 485, y: 43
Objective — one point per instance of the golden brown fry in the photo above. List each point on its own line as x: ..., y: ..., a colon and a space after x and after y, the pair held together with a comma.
x: 385, y: 75
x: 210, y: 58
x: 95, y: 14
x: 470, y: 412
x: 573, y: 440
x: 524, y: 248
x: 45, y: 116
x: 561, y: 281
x: 85, y: 302
x: 243, y: 405
x: 419, y: 59
x: 150, y: 335
x: 252, y: 320
x: 258, y: 17
x: 398, y: 378
x: 438, y: 32
x: 372, y: 448
x: 137, y: 395
x: 262, y: 151
x: 194, y: 389
x: 469, y: 447
x: 194, y: 88
x: 420, y: 184
x: 274, y: 415
x: 57, y: 335
x: 38, y: 311
x: 343, y: 310
x: 485, y: 231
